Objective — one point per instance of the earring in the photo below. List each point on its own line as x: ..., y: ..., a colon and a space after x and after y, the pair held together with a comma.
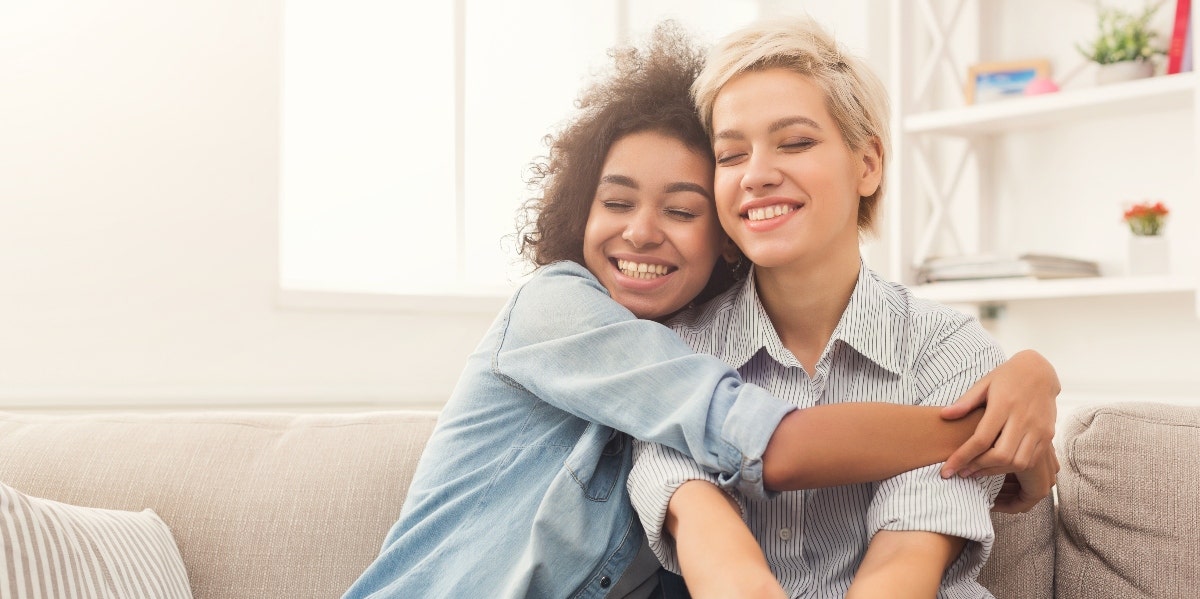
x: 740, y: 269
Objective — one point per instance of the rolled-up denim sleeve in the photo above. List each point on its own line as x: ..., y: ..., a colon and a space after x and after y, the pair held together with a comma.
x: 567, y: 342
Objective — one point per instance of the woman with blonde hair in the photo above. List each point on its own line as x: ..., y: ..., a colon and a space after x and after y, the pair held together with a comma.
x: 799, y: 130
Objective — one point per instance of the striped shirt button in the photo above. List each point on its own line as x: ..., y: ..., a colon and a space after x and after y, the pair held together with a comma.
x: 785, y: 534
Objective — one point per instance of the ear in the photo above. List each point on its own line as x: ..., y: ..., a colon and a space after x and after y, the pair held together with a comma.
x: 730, y: 251
x: 872, y: 168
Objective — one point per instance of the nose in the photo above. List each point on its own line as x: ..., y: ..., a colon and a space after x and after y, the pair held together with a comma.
x: 761, y: 172
x: 643, y: 229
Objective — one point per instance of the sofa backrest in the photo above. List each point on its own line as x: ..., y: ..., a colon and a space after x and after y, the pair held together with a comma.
x: 261, y: 505
x: 1022, y: 562
x: 1129, y: 511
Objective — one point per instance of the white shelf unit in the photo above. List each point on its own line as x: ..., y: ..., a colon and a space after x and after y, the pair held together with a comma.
x: 1169, y: 92
x: 1003, y: 290
x: 921, y: 177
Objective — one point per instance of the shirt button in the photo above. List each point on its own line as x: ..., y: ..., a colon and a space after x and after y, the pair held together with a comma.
x: 785, y: 534
x: 605, y: 582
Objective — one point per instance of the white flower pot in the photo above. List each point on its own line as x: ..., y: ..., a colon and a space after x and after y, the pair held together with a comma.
x: 1127, y: 70
x: 1149, y: 255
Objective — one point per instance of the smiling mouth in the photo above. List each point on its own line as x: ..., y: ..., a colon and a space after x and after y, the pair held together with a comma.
x: 769, y: 212
x: 642, y: 270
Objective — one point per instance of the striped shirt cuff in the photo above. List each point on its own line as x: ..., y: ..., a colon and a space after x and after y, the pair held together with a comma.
x: 658, y: 472
x: 959, y: 507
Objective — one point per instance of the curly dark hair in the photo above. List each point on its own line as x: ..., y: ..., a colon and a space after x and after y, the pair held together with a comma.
x: 647, y: 90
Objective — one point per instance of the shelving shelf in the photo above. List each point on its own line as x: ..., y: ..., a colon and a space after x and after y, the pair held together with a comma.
x: 1004, y: 290
x: 1171, y: 92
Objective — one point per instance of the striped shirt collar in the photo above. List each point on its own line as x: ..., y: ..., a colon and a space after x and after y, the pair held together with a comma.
x: 868, y: 325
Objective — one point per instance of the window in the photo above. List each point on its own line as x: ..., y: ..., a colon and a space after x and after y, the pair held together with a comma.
x: 407, y: 129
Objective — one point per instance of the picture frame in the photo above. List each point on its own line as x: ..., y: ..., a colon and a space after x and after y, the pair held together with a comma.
x: 991, y: 81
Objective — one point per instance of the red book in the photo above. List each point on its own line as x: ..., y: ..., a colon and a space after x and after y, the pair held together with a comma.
x: 1183, y: 9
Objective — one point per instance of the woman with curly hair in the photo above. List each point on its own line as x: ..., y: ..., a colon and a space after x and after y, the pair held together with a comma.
x: 521, y: 489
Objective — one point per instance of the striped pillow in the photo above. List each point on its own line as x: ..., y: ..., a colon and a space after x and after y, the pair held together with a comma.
x: 51, y: 549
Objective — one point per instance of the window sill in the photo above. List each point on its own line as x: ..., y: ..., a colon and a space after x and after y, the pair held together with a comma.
x: 488, y: 301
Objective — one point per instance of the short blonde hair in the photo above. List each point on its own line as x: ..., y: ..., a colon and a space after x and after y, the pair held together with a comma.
x: 854, y: 95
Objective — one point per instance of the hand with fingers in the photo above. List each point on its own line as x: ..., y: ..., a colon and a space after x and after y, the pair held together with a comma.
x: 1023, y: 490
x: 1016, y: 434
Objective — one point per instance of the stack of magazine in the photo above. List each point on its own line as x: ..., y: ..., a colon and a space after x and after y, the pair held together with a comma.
x: 990, y: 266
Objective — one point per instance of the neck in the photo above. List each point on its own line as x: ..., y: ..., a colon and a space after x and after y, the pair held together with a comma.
x: 805, y: 301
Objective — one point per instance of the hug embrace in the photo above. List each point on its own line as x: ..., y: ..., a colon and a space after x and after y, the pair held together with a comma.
x: 703, y: 389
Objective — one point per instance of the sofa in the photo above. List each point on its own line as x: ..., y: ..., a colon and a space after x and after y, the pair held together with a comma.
x: 296, y: 505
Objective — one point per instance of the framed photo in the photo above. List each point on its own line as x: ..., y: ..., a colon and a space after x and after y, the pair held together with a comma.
x: 990, y: 81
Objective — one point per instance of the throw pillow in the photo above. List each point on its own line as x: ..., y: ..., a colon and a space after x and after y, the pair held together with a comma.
x: 51, y: 549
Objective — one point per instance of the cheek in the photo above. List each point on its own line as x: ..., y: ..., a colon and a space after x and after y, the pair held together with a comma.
x: 592, y: 232
x: 726, y: 189
x: 706, y: 246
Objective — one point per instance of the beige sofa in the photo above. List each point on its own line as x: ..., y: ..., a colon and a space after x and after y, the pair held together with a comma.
x: 275, y: 505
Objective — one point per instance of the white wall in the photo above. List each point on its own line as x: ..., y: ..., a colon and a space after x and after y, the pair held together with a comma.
x: 139, y: 159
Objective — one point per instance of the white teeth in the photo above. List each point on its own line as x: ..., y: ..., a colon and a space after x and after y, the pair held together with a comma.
x: 639, y: 270
x: 769, y: 211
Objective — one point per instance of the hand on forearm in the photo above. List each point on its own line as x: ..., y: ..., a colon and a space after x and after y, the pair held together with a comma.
x: 1018, y: 429
x: 904, y: 564
x: 849, y: 443
x: 718, y: 556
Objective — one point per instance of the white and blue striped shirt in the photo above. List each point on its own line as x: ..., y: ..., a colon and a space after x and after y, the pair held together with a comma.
x: 888, y: 346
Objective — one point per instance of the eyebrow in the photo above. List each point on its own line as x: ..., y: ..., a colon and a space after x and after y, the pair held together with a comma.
x: 777, y: 125
x: 675, y: 187
x: 621, y: 180
x: 686, y: 186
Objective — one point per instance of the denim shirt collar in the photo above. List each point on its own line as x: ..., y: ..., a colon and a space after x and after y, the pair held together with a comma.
x: 867, y: 325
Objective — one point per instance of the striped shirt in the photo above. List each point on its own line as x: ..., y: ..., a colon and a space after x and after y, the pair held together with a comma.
x: 888, y: 346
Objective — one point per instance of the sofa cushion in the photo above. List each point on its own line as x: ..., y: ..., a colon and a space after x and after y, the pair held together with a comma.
x: 51, y: 549
x: 1129, y: 511
x: 1022, y: 561
x: 261, y: 505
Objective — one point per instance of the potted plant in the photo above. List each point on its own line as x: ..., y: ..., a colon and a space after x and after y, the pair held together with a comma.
x: 1148, y: 248
x: 1124, y: 47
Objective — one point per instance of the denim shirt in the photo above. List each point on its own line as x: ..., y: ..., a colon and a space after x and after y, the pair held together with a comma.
x: 521, y: 489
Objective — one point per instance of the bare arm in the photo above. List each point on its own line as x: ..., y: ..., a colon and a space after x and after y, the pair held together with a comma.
x: 904, y: 564
x: 849, y: 443
x: 1020, y: 396
x: 718, y: 555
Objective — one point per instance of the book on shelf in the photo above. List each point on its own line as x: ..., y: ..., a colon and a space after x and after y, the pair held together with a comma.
x: 1179, y: 33
x: 991, y: 266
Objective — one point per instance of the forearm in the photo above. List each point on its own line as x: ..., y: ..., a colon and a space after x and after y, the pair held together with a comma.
x: 718, y: 555
x: 850, y: 443
x: 904, y: 564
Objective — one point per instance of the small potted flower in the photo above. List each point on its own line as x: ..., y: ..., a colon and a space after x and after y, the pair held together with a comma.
x: 1146, y: 218
x: 1124, y: 48
x: 1148, y: 249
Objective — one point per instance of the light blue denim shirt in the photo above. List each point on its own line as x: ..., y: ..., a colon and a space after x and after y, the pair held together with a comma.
x: 521, y: 489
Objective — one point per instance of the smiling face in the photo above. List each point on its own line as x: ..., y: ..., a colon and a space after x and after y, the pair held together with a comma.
x: 652, y: 234
x: 787, y: 186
